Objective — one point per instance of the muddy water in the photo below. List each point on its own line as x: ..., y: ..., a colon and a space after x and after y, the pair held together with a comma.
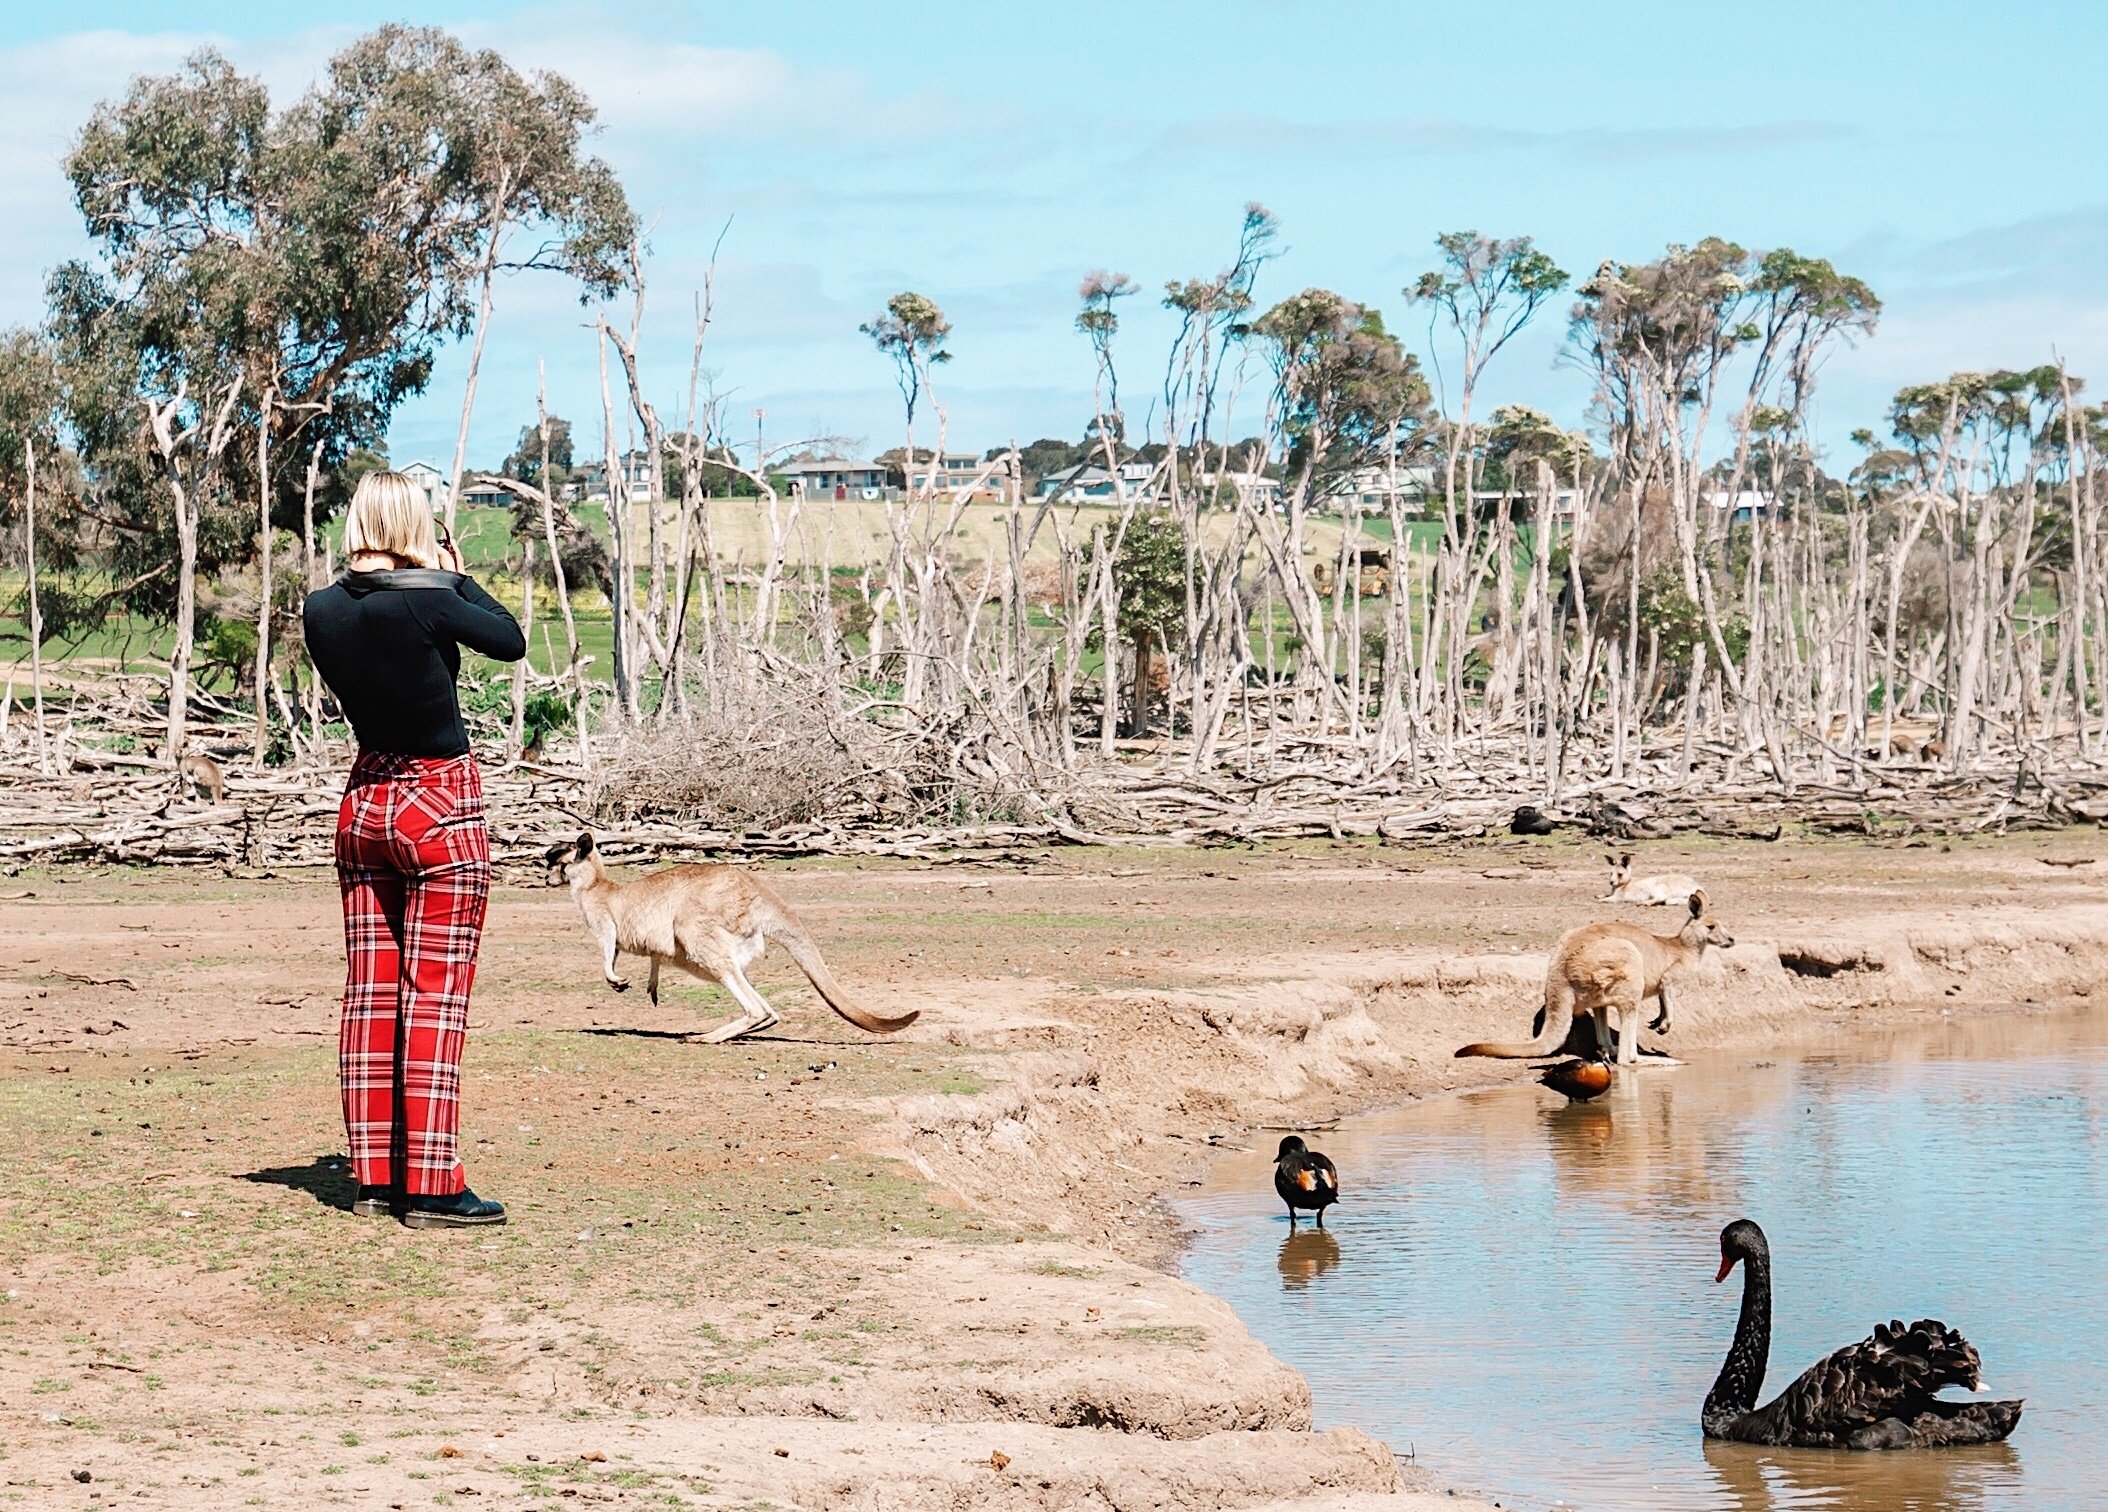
x: 1520, y: 1292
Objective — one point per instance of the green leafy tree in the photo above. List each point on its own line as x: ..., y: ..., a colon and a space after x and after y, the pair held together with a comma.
x: 525, y: 463
x: 911, y: 333
x: 1099, y: 321
x: 31, y: 404
x: 1347, y: 389
x: 1518, y: 437
x: 1489, y: 288
x: 288, y: 276
x: 1149, y: 580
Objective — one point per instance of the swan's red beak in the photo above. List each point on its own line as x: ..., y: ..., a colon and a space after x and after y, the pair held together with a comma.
x: 1727, y: 1263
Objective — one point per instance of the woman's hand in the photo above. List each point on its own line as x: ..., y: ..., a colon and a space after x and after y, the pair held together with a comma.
x: 450, y: 556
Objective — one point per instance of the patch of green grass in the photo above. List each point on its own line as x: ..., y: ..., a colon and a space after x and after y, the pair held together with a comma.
x: 1182, y: 1335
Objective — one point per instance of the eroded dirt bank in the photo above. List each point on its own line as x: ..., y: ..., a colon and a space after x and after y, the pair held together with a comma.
x: 818, y: 1270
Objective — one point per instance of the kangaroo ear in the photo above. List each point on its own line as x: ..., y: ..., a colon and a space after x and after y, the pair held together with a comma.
x: 585, y: 844
x: 1697, y: 901
x: 1626, y: 859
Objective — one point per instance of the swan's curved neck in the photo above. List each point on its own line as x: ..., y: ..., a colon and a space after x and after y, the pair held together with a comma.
x: 1742, y: 1375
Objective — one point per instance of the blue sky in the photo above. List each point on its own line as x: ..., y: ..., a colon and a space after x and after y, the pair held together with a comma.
x: 989, y: 155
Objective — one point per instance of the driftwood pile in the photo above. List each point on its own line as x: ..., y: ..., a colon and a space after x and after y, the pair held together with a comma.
x: 99, y: 792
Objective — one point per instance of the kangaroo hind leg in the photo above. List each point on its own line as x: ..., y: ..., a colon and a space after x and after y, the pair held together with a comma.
x: 733, y: 954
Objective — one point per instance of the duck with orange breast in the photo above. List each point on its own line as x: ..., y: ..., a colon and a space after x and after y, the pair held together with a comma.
x: 1305, y: 1179
x: 1578, y: 1080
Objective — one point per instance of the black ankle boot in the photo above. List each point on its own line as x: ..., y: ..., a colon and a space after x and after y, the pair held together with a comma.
x: 372, y: 1201
x: 464, y: 1209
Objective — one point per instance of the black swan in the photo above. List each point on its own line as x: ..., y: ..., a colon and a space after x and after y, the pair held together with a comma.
x: 1577, y: 1080
x: 1528, y: 821
x: 1305, y: 1179
x: 1876, y: 1394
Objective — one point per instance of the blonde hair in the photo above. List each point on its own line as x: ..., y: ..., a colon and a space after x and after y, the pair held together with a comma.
x: 389, y: 515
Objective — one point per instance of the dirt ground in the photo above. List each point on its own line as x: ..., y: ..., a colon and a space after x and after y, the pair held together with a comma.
x: 819, y: 1269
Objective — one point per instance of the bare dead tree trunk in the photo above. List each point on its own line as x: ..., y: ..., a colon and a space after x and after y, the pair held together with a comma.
x: 36, y: 612
x: 486, y: 274
x: 171, y: 445
x: 264, y: 584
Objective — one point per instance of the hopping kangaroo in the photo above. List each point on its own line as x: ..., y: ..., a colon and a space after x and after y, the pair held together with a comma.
x: 1671, y: 887
x: 1606, y: 970
x: 712, y: 921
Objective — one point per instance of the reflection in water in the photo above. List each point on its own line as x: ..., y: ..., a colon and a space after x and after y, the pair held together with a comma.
x: 1756, y: 1479
x: 1306, y: 1254
x: 1958, y: 1173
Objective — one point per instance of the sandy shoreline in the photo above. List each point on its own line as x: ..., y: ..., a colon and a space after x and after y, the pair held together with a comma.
x: 932, y: 1272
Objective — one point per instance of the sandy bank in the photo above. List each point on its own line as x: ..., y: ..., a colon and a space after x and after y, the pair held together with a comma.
x: 932, y: 1272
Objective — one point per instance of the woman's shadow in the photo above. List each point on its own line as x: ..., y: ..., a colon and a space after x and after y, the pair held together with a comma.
x: 326, y: 1178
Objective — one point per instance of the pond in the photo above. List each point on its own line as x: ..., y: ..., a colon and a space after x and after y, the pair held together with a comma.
x: 1519, y: 1293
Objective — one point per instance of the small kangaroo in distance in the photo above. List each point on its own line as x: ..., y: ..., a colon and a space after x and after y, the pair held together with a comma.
x: 202, y: 774
x: 711, y: 921
x: 1607, y: 971
x: 1669, y: 887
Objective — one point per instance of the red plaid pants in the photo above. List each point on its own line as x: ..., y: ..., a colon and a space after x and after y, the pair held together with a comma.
x: 413, y: 863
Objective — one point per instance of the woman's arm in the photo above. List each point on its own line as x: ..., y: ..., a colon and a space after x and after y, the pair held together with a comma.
x: 478, y: 621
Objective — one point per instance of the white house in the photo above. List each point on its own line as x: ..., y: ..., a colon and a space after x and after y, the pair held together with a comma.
x: 951, y: 471
x: 1257, y: 487
x: 1086, y: 484
x: 834, y: 478
x: 430, y: 482
x: 592, y: 477
x: 1746, y: 502
x: 1371, y: 488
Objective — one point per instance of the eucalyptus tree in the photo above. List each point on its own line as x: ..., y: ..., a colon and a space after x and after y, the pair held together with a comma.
x: 474, y: 155
x: 1345, y: 390
x: 1212, y: 321
x: 910, y: 333
x: 1979, y: 443
x: 1666, y: 341
x: 1099, y: 321
x: 282, y: 274
x: 1488, y: 288
x: 1485, y: 290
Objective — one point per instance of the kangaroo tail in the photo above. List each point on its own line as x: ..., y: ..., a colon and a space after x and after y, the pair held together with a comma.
x: 1509, y: 1049
x: 1554, y: 1021
x: 786, y: 928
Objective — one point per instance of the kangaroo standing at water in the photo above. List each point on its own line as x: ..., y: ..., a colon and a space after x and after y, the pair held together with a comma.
x: 1606, y: 970
x: 711, y: 921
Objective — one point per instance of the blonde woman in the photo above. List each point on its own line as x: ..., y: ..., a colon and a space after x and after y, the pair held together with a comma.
x: 413, y: 852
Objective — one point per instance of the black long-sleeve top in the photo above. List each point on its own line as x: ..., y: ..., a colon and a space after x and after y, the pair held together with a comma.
x: 389, y: 646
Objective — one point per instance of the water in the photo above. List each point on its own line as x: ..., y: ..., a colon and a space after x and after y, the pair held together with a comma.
x: 1520, y: 1292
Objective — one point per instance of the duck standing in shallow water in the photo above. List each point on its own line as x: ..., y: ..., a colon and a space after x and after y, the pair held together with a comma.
x: 1305, y: 1179
x: 1877, y: 1394
x: 1577, y: 1080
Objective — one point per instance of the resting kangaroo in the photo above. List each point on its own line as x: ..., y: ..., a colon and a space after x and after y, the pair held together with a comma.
x: 712, y: 921
x: 1671, y: 887
x: 1609, y: 969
